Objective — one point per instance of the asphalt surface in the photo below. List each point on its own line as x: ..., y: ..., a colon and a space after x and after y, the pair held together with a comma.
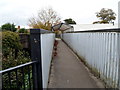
x: 67, y: 71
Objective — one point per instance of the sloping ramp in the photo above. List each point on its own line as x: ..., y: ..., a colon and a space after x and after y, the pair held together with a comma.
x: 67, y: 71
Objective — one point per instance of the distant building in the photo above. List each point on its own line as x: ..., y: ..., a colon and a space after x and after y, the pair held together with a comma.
x: 86, y: 27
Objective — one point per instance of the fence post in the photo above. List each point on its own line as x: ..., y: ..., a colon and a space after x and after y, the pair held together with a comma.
x: 35, y: 41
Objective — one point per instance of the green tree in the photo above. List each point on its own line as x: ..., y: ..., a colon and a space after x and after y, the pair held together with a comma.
x: 8, y: 27
x: 45, y: 20
x: 70, y: 21
x: 106, y: 15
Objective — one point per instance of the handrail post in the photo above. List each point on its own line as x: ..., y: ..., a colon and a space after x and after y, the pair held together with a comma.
x: 35, y: 42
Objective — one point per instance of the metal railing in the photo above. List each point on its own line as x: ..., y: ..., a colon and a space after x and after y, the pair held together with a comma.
x: 26, y: 76
x: 32, y: 75
x: 100, y: 51
x: 18, y: 77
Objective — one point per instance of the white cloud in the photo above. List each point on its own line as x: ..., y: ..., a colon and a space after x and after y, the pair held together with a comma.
x: 82, y: 11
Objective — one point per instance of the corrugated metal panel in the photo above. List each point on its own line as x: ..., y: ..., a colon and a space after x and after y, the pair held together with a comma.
x: 100, y: 51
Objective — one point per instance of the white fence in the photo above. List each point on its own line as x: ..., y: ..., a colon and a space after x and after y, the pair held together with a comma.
x: 47, y: 42
x: 99, y: 51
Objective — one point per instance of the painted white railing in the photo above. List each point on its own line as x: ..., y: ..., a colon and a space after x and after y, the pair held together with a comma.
x: 100, y: 52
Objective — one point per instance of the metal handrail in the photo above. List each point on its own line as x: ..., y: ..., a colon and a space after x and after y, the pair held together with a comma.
x: 17, y: 67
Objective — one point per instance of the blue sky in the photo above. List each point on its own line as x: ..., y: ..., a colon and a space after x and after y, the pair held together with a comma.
x: 82, y: 11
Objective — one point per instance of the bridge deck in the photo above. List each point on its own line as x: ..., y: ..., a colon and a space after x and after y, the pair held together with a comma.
x: 68, y: 71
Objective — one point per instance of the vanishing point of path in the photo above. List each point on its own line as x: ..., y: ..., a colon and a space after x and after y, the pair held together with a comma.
x: 67, y: 71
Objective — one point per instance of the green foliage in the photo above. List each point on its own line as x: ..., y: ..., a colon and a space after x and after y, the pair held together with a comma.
x: 70, y: 21
x: 11, y: 60
x: 12, y: 50
x: 8, y: 27
x: 23, y: 30
x: 106, y: 16
x: 10, y: 41
x: 104, y: 22
x: 13, y: 55
x: 101, y: 22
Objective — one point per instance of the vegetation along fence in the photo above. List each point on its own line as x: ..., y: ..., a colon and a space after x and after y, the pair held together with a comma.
x: 100, y: 51
x: 32, y: 75
x: 25, y: 41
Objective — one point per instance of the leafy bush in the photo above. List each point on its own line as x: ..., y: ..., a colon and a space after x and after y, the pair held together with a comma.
x: 11, y: 60
x: 10, y: 41
x: 13, y: 55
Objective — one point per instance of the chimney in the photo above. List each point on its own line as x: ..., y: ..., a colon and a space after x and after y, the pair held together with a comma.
x: 18, y: 27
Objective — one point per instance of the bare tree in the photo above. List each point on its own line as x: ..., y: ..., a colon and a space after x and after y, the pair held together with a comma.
x: 46, y: 18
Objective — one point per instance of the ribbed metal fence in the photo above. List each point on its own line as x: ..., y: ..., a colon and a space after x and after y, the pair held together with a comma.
x: 100, y: 52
